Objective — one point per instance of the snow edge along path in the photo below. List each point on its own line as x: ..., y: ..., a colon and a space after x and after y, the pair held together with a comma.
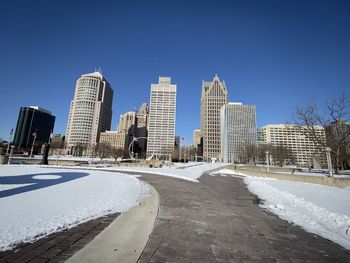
x: 307, y: 215
x: 34, y: 214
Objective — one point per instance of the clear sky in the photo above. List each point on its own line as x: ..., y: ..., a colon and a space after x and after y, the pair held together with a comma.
x: 274, y: 54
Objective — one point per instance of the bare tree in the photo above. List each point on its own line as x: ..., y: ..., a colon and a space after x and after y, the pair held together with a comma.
x: 118, y: 153
x: 281, y: 154
x: 104, y: 150
x: 334, y: 119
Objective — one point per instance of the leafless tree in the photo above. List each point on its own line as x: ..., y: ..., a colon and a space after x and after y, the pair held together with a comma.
x: 104, y: 150
x: 280, y: 153
x: 334, y: 119
x: 118, y: 153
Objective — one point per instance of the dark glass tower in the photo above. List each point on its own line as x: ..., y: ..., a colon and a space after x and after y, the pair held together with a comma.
x: 33, y: 120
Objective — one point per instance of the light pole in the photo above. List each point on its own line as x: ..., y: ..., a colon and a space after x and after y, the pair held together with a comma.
x: 267, y: 161
x: 9, y: 143
x: 31, y: 151
x: 11, y: 153
x: 329, y: 161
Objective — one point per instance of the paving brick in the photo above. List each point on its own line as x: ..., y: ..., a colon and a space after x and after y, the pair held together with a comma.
x: 56, y: 247
x: 51, y: 253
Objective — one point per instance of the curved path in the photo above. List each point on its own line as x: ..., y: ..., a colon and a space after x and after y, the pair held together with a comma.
x: 216, y: 220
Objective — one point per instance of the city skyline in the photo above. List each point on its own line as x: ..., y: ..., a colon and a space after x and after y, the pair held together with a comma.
x: 275, y: 55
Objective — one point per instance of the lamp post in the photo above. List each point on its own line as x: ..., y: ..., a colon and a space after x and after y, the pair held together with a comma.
x: 11, y: 153
x: 9, y: 143
x: 31, y: 151
x: 267, y: 161
x: 329, y: 161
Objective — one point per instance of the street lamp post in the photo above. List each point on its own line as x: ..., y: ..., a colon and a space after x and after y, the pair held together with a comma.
x: 329, y: 161
x: 31, y: 151
x: 11, y: 153
x: 9, y: 143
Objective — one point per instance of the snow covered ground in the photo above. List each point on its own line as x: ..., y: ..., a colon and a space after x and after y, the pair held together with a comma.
x: 37, y: 201
x: 323, y: 210
x: 191, y: 173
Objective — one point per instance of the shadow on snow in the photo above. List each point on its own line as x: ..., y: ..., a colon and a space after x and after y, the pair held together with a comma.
x: 36, y: 183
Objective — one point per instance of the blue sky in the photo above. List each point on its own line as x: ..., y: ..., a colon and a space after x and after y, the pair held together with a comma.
x: 274, y: 54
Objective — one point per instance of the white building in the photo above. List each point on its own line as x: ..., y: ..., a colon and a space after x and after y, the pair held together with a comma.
x: 238, y: 130
x: 162, y: 113
x: 294, y: 138
x: 90, y: 111
x: 214, y: 96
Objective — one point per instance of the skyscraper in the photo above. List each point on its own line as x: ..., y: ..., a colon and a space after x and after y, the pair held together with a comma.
x: 162, y: 113
x: 90, y: 111
x: 33, y: 122
x: 141, y: 128
x: 196, y: 137
x: 214, y: 96
x: 238, y: 130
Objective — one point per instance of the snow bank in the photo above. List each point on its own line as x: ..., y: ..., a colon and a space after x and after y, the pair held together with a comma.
x: 189, y: 173
x: 322, y: 210
x: 38, y: 201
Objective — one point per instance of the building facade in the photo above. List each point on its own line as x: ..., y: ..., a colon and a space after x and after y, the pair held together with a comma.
x: 214, y: 96
x: 294, y: 137
x: 238, y: 131
x: 162, y: 114
x: 33, y: 122
x: 90, y: 111
x: 116, y: 139
x: 196, y: 137
x: 141, y: 131
x: 127, y: 122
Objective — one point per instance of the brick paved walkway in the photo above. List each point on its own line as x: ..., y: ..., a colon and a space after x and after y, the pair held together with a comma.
x: 60, y: 246
x: 218, y: 220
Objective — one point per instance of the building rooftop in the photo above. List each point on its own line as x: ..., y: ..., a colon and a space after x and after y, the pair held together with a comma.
x: 95, y: 74
x: 40, y: 109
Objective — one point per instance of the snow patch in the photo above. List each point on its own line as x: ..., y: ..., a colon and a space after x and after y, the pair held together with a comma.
x: 75, y: 196
x: 322, y: 210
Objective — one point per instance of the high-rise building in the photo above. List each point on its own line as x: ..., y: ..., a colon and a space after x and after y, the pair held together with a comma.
x: 141, y: 128
x: 131, y: 125
x: 294, y: 138
x: 90, y: 110
x: 127, y: 122
x: 162, y: 113
x: 196, y: 137
x: 33, y: 122
x: 238, y: 130
x: 214, y: 96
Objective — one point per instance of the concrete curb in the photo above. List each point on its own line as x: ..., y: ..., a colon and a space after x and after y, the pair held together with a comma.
x: 125, y: 238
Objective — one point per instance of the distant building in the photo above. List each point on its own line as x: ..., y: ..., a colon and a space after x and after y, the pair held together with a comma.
x: 214, y: 96
x: 238, y: 130
x: 33, y: 122
x: 116, y: 139
x: 127, y: 123
x: 162, y: 113
x: 293, y: 137
x: 196, y: 138
x: 90, y: 111
x: 260, y: 136
x: 131, y: 125
x: 141, y: 128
